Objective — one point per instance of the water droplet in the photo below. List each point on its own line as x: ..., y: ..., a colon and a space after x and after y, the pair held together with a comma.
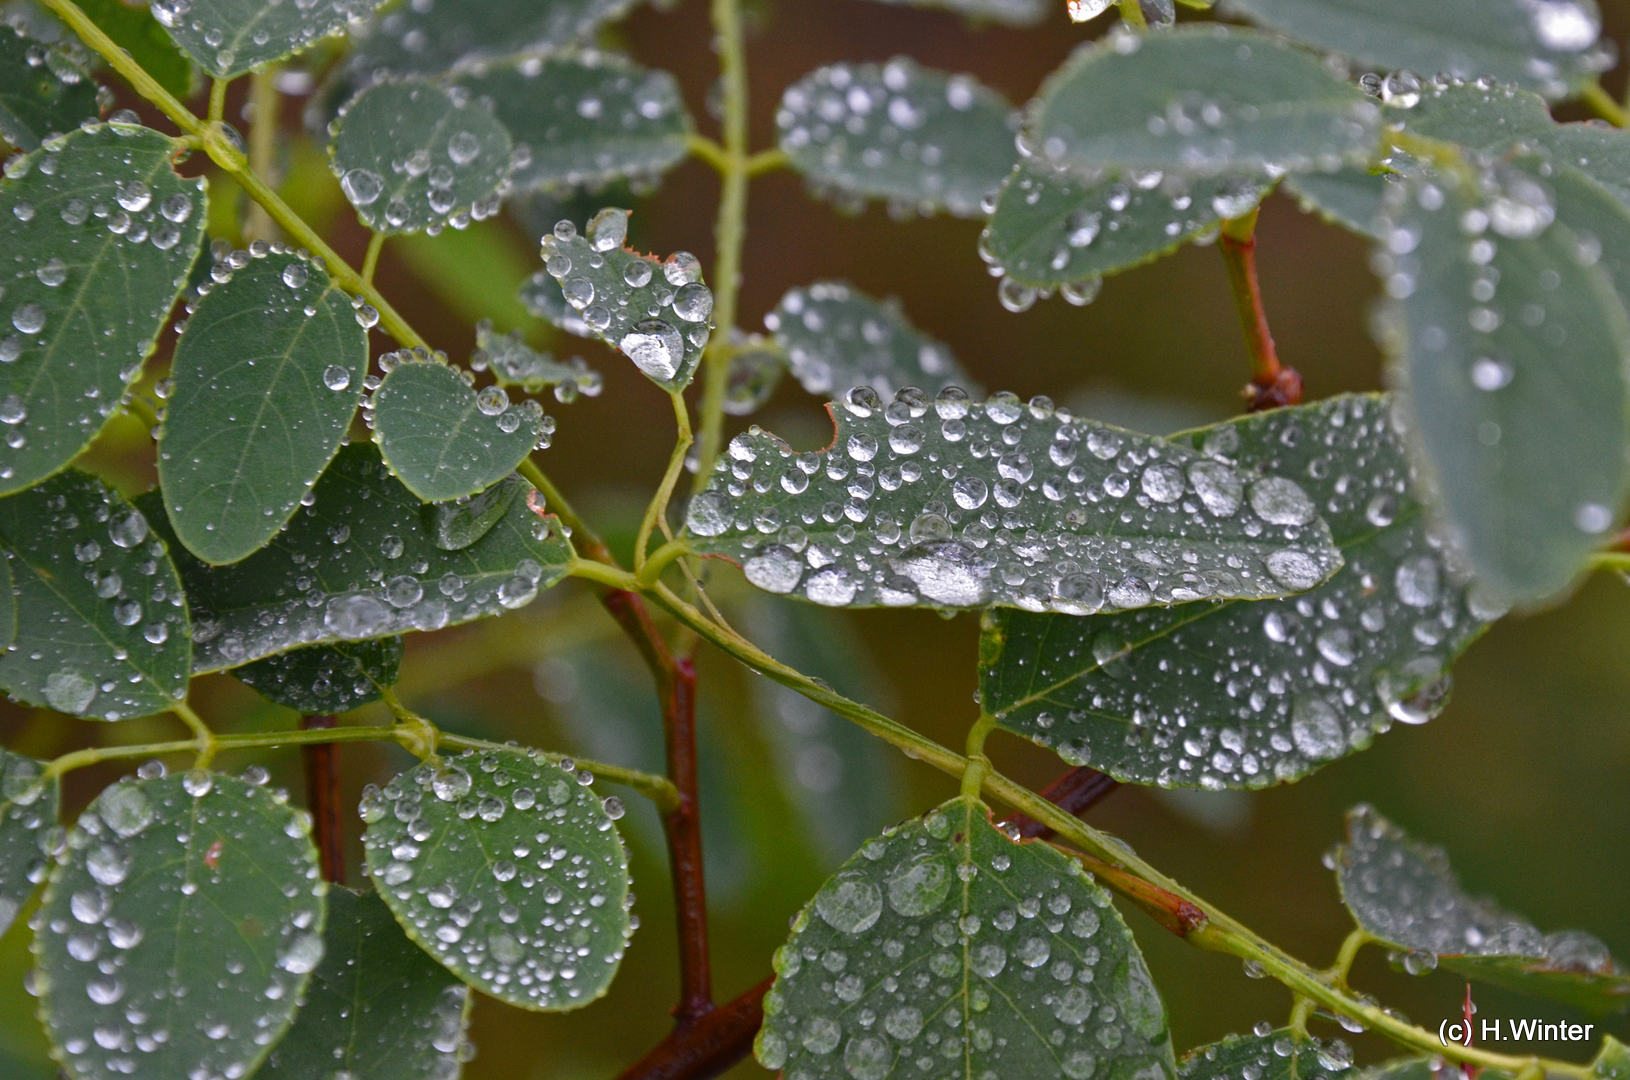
x: 295, y: 275
x: 450, y: 783
x: 362, y: 186
x: 52, y: 272
x: 29, y: 318
x: 656, y: 348
x: 849, y: 903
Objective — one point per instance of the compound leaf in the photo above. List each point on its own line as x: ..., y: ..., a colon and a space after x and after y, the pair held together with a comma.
x: 1007, y: 12
x: 326, y: 678
x: 1351, y: 198
x: 1551, y: 47
x: 1228, y: 694
x: 922, y: 139
x: 1203, y: 101
x: 943, y: 941
x: 508, y: 871
x: 28, y: 807
x: 230, y: 37
x: 102, y: 623
x: 139, y: 33
x: 836, y: 338
x: 378, y: 1007
x: 1002, y: 505
x: 363, y: 562
x: 432, y: 36
x: 412, y: 155
x: 267, y: 378
x: 657, y: 313
x: 1279, y: 1055
x: 180, y: 928
x: 515, y: 363
x: 45, y: 89
x: 444, y: 440
x: 1517, y: 392
x: 1404, y: 894
x: 584, y: 118
x: 98, y: 233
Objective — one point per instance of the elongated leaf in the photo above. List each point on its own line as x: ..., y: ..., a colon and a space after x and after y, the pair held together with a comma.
x: 102, y: 623
x: 585, y: 118
x: 378, y: 1007
x: 1278, y: 1055
x: 508, y: 871
x: 267, y: 378
x: 412, y: 156
x: 1051, y: 229
x: 139, y: 33
x: 1205, y: 102
x: 922, y: 139
x: 230, y: 37
x: 434, y: 35
x: 362, y: 562
x: 1352, y: 198
x: 1404, y: 894
x: 1228, y: 694
x: 657, y: 313
x: 1008, y: 12
x: 1552, y: 47
x: 1517, y: 393
x: 98, y: 233
x: 179, y: 930
x: 326, y: 678
x: 1002, y: 505
x: 445, y: 441
x: 836, y: 338
x: 44, y: 89
x: 944, y: 942
x: 28, y: 807
x: 514, y: 363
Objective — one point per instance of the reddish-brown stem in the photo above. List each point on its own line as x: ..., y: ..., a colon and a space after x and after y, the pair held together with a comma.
x: 706, y: 1048
x: 323, y: 799
x: 1272, y: 384
x: 1076, y: 792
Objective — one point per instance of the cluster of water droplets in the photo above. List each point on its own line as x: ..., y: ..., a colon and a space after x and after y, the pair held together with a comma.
x: 491, y: 401
x: 836, y: 337
x: 325, y: 680
x: 951, y: 503
x: 28, y: 824
x: 946, y: 947
x: 917, y: 137
x: 226, y: 45
x: 67, y: 62
x: 1269, y: 1052
x: 515, y: 363
x: 659, y: 314
x: 508, y: 869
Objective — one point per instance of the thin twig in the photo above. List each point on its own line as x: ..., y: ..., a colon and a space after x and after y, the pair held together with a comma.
x: 1272, y: 384
x: 1604, y: 105
x: 323, y: 798
x: 684, y: 830
x: 706, y: 1048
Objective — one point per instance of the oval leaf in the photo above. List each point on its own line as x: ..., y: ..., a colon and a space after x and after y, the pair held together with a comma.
x: 1279, y: 1055
x: 1246, y: 695
x: 945, y: 942
x: 45, y: 89
x: 412, y: 155
x: 444, y: 440
x: 432, y: 37
x: 584, y: 118
x: 836, y: 338
x: 181, y: 927
x: 378, y: 1007
x: 326, y: 678
x: 138, y: 32
x: 1352, y: 198
x: 101, y: 233
x: 515, y: 363
x: 102, y: 623
x: 267, y: 378
x: 28, y: 808
x: 230, y: 37
x: 508, y: 871
x: 920, y: 138
x: 1403, y: 893
x: 362, y: 562
x: 1198, y: 101
x: 1006, y: 506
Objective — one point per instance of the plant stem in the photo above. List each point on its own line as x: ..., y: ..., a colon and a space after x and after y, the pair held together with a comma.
x: 1604, y: 106
x: 1272, y: 385
x: 584, y: 538
x: 661, y: 559
x: 767, y: 161
x: 370, y: 261
x: 217, y: 99
x: 122, y: 62
x: 203, y: 738
x: 683, y: 826
x: 1076, y: 792
x: 263, y: 129
x: 323, y: 798
x: 1132, y: 13
x: 708, y: 1047
x: 1347, y: 954
x: 656, y: 512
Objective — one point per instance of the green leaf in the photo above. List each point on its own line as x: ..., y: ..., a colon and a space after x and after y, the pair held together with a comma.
x: 756, y: 368
x: 100, y: 233
x: 1245, y: 695
x: 326, y: 678
x: 181, y: 925
x: 435, y: 36
x: 1613, y: 1062
x: 656, y: 313
x: 515, y: 363
x: 1552, y: 47
x: 102, y: 623
x: 945, y: 942
x: 1050, y: 229
x: 1352, y: 198
x: 1202, y: 102
x: 1006, y: 12
x: 922, y: 139
x: 1517, y: 393
x: 507, y: 870
x: 999, y: 504
x: 378, y: 1007
x: 444, y: 440
x: 836, y: 338
x: 8, y: 608
x: 267, y: 378
x: 413, y: 156
x: 44, y: 89
x: 362, y: 562
x: 230, y: 37
x: 585, y: 118
x: 1278, y: 1055
x: 28, y: 808
x: 1404, y: 894
x: 1409, y: 1068
x: 541, y: 294
x: 137, y: 32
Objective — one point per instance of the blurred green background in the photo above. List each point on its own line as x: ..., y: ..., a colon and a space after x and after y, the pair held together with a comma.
x: 1525, y: 778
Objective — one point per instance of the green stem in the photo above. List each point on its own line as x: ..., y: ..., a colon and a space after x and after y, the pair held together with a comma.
x: 584, y: 538
x: 1132, y: 13
x: 217, y: 99
x: 663, y: 557
x: 656, y: 512
x: 370, y: 261
x: 709, y: 151
x: 122, y: 62
x: 263, y: 128
x: 1347, y: 954
x: 767, y: 161
x: 973, y: 781
x: 1610, y: 560
x: 203, y: 738
x: 1604, y: 105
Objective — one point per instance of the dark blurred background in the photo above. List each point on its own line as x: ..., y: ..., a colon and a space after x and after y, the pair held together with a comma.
x: 1525, y: 778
